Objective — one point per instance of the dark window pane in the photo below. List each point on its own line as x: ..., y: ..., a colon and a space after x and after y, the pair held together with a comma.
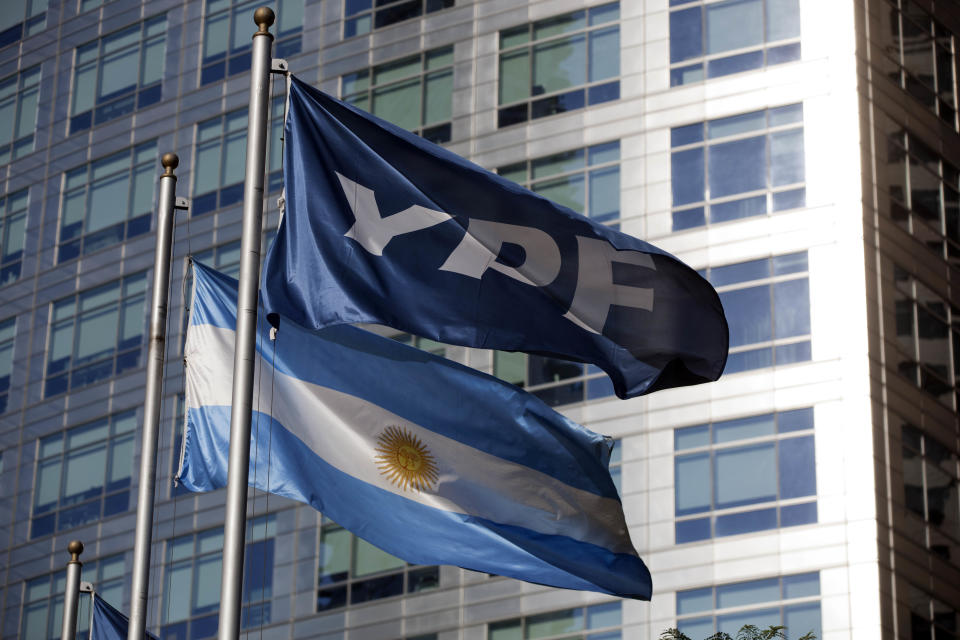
x: 734, y: 64
x: 693, y: 530
x: 748, y: 314
x: 687, y: 176
x: 557, y: 104
x: 688, y: 219
x: 686, y: 34
x: 512, y: 115
x: 689, y: 134
x: 397, y: 13
x: 604, y: 93
x: 331, y: 598
x: 748, y: 522
x: 740, y: 272
x: 736, y: 209
x: 738, y: 166
x: 423, y: 580
x: 798, y: 514
x: 213, y: 72
x: 798, y: 476
x: 376, y: 588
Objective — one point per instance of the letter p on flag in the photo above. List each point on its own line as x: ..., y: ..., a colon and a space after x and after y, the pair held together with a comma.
x: 384, y: 227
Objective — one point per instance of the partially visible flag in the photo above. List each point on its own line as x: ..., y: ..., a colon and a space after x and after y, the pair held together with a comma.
x: 431, y: 461
x: 108, y: 623
x: 382, y: 226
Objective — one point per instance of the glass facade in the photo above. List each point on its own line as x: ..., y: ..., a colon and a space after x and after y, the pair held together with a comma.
x: 714, y: 39
x: 924, y: 191
x: 191, y: 588
x: 8, y: 331
x: 226, y: 35
x: 930, y: 472
x: 927, y: 337
x: 95, y: 334
x: 415, y: 93
x: 362, y: 16
x: 714, y: 498
x: 920, y: 56
x: 83, y: 474
x: 586, y: 180
x: 353, y: 571
x: 107, y: 201
x: 19, y: 94
x: 22, y: 19
x: 596, y: 622
x: 737, y: 167
x: 571, y: 60
x: 801, y: 168
x: 13, y: 225
x: 117, y: 74
x: 791, y: 601
x: 767, y: 303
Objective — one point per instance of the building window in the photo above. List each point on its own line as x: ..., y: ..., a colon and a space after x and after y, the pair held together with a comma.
x: 586, y: 180
x: 791, y: 601
x: 353, y: 571
x: 107, y: 201
x: 714, y: 39
x: 360, y: 16
x: 559, y: 64
x: 224, y: 258
x: 767, y: 304
x: 924, y: 196
x: 415, y: 93
x: 116, y: 74
x: 714, y: 498
x: 930, y: 493
x: 8, y: 329
x: 227, y: 30
x: 930, y: 617
x: 22, y: 19
x: 43, y: 598
x: 13, y: 225
x: 95, y: 334
x: 19, y: 95
x: 927, y: 328
x: 737, y: 167
x: 921, y: 51
x: 221, y: 155
x: 87, y: 5
x: 83, y: 474
x: 597, y: 622
x: 191, y: 590
x: 555, y: 381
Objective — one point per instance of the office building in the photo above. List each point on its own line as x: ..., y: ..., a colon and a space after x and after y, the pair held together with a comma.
x: 803, y: 154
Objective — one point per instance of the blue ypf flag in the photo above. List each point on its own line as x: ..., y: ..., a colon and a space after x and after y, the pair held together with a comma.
x: 382, y: 226
x: 431, y: 461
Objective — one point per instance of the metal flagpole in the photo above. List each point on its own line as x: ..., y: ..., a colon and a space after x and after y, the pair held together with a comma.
x: 234, y: 526
x: 71, y: 597
x: 151, y: 409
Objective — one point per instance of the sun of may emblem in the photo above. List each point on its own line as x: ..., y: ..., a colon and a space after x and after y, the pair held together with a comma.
x: 405, y: 460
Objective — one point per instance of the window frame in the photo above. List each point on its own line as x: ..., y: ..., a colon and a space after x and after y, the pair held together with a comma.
x: 11, y: 263
x: 547, y: 103
x: 25, y: 84
x: 126, y: 100
x: 112, y: 496
x: 135, y: 223
x: 439, y: 131
x: 341, y: 589
x: 602, y: 631
x: 691, y: 519
x: 790, y: 46
x: 60, y: 378
x: 699, y: 213
x: 383, y: 7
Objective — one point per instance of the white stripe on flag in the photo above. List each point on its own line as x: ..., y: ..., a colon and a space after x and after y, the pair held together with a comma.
x: 343, y: 430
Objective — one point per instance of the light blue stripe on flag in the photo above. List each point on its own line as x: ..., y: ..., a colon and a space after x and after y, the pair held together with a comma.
x: 431, y: 461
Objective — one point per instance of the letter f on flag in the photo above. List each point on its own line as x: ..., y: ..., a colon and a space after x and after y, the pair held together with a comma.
x: 384, y: 227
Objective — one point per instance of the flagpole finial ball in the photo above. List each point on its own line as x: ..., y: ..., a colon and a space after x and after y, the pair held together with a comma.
x: 264, y: 17
x: 170, y: 161
x: 75, y: 548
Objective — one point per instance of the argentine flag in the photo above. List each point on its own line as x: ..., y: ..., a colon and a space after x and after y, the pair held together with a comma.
x: 431, y: 461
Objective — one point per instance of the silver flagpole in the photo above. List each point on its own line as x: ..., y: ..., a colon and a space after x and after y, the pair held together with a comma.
x: 151, y: 409
x: 234, y: 526
x: 71, y: 597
